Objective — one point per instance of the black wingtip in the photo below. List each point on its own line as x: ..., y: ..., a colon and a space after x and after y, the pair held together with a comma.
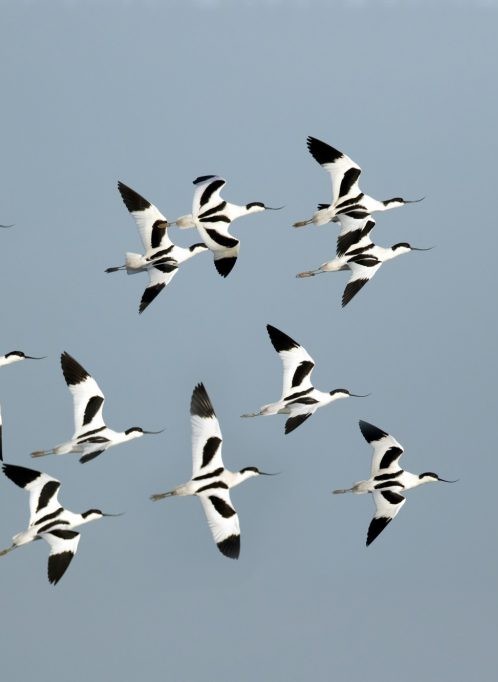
x: 376, y: 527
x: 149, y: 295
x: 293, y: 422
x: 21, y: 476
x: 73, y: 372
x: 280, y: 341
x: 370, y: 432
x: 132, y: 200
x: 225, y: 265
x: 230, y: 546
x: 352, y: 289
x: 200, y: 403
x: 322, y: 152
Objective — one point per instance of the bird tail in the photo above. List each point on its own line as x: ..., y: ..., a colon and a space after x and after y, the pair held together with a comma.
x: 134, y: 261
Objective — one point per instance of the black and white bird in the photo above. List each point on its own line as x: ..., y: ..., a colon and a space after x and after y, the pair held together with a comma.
x: 162, y: 258
x: 387, y: 481
x: 91, y: 436
x: 211, y: 482
x: 300, y: 399
x: 16, y: 356
x: 347, y: 198
x: 48, y: 519
x: 212, y: 216
x: 362, y: 259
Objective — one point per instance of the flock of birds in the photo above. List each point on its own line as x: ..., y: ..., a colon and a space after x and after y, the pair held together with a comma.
x: 211, y: 481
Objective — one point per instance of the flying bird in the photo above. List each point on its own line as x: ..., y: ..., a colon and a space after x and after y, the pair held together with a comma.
x: 347, y: 198
x: 362, y: 258
x: 16, y: 356
x: 91, y: 436
x: 212, y: 216
x: 48, y: 519
x: 387, y: 480
x: 300, y: 399
x: 211, y: 482
x: 162, y: 258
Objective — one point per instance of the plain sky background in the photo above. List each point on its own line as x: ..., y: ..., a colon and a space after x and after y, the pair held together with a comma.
x: 155, y: 94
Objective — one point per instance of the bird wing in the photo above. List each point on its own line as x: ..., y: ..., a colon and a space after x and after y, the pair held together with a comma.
x: 42, y: 490
x: 363, y: 267
x: 343, y: 171
x: 386, y: 449
x: 63, y: 545
x: 354, y: 232
x: 297, y: 362
x: 206, y: 194
x: 152, y: 225
x: 88, y: 399
x: 387, y: 504
x: 206, y: 434
x: 223, y: 520
x: 160, y: 275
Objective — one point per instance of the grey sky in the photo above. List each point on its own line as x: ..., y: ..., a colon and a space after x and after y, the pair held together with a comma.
x: 155, y: 94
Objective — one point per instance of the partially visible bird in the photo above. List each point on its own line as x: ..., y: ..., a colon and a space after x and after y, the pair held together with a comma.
x: 16, y: 356
x: 347, y: 198
x: 211, y: 482
x: 48, y: 519
x: 300, y: 399
x: 212, y: 216
x: 91, y: 436
x: 162, y: 258
x: 387, y: 480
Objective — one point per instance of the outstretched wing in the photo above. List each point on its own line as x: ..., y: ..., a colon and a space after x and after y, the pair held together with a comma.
x: 152, y: 225
x: 160, y: 275
x: 363, y: 267
x: 297, y: 363
x: 88, y: 399
x: 386, y: 449
x: 207, y: 198
x: 42, y: 490
x: 206, y: 434
x: 343, y: 171
x: 355, y: 233
x: 63, y: 546
x: 387, y: 504
x: 223, y: 520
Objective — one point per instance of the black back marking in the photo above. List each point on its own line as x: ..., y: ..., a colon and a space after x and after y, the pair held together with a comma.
x: 94, y: 439
x: 376, y: 527
x: 92, y: 407
x: 280, y: 341
x: 361, y: 250
x: 149, y: 295
x: 230, y: 546
x: 158, y: 232
x: 91, y: 432
x: 365, y: 259
x: 211, y: 447
x: 46, y: 494
x: 306, y: 400
x: 390, y: 456
x: 166, y: 266
x: 49, y: 517
x: 212, y: 211
x: 352, y: 288
x: 52, y: 524
x: 200, y: 403
x: 322, y: 152
x: 57, y: 564
x: 225, y: 265
x: 349, y: 202
x: 212, y: 486
x: 387, y: 477
x: 73, y: 372
x: 162, y: 252
x: 212, y: 474
x: 221, y: 240
x: 389, y: 484
x: 222, y: 507
x: 298, y: 394
x: 210, y: 190
x: 217, y: 219
x: 371, y: 432
x: 302, y: 371
x: 392, y: 497
x: 90, y: 455
x: 356, y: 213
x: 21, y: 476
x: 348, y: 180
x: 132, y: 200
x: 293, y: 422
